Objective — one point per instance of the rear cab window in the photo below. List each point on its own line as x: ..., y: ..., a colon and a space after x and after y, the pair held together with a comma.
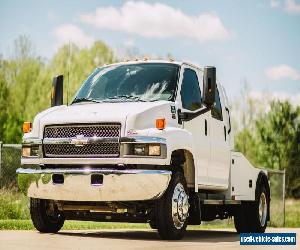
x: 216, y: 111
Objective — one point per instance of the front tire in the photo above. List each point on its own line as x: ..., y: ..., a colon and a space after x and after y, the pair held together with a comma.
x: 44, y: 217
x: 172, y: 209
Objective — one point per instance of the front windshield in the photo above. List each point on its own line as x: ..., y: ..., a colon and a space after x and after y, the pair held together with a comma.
x: 132, y: 82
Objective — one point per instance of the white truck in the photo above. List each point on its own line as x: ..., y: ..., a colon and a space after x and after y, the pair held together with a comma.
x: 142, y: 141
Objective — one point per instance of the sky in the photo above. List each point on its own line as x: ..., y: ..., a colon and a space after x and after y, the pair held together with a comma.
x: 251, y: 41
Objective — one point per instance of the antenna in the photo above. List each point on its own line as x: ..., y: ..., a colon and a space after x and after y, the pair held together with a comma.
x: 68, y: 74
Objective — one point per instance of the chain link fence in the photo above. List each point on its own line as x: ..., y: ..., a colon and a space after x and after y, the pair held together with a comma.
x: 10, y: 155
x: 10, y: 160
x: 277, y: 187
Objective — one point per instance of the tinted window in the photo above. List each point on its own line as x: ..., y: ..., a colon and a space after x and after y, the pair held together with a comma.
x: 190, y: 91
x: 216, y: 111
x: 141, y: 81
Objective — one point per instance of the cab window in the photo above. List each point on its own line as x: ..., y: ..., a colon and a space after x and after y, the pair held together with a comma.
x: 190, y: 91
x: 216, y: 111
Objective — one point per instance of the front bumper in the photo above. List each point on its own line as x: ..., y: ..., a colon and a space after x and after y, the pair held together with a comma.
x: 117, y: 185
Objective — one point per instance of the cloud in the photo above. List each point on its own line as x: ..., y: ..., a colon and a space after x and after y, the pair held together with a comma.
x: 157, y: 21
x: 71, y: 33
x: 274, y: 3
x: 292, y: 7
x: 281, y: 72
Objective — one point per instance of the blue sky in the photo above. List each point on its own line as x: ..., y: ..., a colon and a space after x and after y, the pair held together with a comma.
x: 257, y: 41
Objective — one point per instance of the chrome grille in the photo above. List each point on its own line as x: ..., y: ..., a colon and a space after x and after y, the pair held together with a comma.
x: 105, y: 148
x: 89, y: 150
x: 67, y: 131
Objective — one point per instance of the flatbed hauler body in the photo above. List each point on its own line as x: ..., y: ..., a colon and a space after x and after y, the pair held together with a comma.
x: 142, y: 141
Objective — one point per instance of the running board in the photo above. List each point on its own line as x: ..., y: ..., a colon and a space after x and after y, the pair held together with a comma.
x: 220, y: 202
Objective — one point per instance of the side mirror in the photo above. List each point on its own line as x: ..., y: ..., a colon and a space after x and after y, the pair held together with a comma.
x: 209, y: 86
x: 57, y: 95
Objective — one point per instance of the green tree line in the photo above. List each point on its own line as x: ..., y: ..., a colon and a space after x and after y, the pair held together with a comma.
x: 272, y: 139
x: 25, y: 81
x: 268, y: 139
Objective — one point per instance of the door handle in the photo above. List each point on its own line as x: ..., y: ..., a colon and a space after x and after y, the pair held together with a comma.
x: 205, y: 127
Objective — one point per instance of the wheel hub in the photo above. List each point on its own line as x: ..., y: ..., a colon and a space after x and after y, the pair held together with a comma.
x: 180, y: 206
x: 262, y: 209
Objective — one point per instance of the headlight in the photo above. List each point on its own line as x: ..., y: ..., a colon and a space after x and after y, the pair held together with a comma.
x: 29, y: 151
x: 146, y: 149
x: 142, y: 149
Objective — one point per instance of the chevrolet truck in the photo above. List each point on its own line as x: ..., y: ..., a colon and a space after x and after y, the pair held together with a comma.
x: 146, y: 141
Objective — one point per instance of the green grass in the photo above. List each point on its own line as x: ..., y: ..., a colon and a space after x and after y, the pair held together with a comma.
x: 292, y: 211
x: 14, y: 215
x: 72, y: 225
x: 13, y: 205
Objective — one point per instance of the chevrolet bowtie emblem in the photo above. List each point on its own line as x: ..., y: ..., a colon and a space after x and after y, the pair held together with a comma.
x: 79, y: 141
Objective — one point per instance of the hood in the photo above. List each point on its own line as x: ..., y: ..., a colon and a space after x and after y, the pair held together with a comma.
x: 94, y: 113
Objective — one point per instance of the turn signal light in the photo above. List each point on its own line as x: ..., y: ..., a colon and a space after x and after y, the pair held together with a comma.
x: 26, y: 127
x: 161, y: 123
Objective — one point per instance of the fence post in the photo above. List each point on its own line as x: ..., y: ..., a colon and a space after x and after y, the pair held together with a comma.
x: 1, y: 164
x: 283, y: 198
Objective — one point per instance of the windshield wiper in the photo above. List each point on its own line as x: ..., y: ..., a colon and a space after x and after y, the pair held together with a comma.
x: 84, y: 99
x: 129, y: 97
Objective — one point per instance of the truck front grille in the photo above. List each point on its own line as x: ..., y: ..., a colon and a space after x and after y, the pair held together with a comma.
x: 68, y: 131
x: 89, y: 150
x: 100, y: 149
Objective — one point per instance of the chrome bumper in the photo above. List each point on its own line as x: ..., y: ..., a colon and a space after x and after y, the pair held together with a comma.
x: 117, y: 185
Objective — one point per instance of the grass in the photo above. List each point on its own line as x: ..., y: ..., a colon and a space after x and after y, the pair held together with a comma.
x: 72, y: 225
x: 14, y: 215
x: 292, y: 211
x: 13, y: 205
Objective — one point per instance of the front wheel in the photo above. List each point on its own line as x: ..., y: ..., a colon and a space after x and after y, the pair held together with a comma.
x: 172, y: 209
x: 44, y: 217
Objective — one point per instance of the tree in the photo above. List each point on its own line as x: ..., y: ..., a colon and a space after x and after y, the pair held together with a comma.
x: 25, y: 80
x: 245, y: 111
x: 3, y: 101
x: 278, y: 147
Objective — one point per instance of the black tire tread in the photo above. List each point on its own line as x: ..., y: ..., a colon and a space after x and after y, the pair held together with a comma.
x: 41, y: 220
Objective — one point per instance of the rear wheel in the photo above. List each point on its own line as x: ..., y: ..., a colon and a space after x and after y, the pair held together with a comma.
x: 172, y: 209
x: 240, y: 219
x: 251, y: 217
x: 44, y: 216
x: 259, y: 212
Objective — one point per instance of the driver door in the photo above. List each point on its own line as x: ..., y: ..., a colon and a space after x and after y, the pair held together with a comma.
x: 191, y: 101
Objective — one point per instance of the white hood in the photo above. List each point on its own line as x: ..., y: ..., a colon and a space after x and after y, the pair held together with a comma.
x: 97, y: 113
